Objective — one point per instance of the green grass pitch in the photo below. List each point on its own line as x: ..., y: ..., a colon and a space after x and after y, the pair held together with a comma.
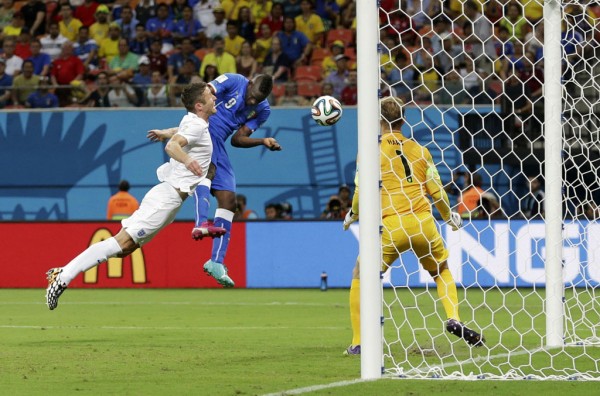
x: 202, y: 342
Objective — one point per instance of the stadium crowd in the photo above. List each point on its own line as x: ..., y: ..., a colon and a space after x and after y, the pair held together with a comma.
x: 142, y: 52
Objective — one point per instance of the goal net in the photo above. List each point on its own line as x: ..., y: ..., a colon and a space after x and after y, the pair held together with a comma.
x: 473, y: 77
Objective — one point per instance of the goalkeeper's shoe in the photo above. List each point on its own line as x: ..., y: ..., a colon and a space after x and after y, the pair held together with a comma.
x: 472, y: 337
x: 55, y: 288
x: 352, y: 350
x: 219, y: 272
x: 207, y: 229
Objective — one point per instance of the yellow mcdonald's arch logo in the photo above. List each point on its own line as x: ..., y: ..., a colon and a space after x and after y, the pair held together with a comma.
x: 115, y: 264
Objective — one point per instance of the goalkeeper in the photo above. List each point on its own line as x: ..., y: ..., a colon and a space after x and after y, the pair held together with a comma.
x: 408, y: 176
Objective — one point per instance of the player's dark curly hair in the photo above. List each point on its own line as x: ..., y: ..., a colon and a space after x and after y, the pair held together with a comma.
x: 264, y: 83
x: 192, y: 94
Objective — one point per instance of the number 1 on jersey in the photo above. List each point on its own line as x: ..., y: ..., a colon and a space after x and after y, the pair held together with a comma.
x: 407, y: 170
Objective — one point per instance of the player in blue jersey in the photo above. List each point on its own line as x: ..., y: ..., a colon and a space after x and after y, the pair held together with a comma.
x: 242, y: 108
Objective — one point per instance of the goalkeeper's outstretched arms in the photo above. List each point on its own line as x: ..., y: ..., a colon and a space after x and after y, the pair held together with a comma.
x: 352, y: 214
x: 434, y: 187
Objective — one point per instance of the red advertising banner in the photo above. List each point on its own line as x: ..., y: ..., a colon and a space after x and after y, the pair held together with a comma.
x: 171, y: 260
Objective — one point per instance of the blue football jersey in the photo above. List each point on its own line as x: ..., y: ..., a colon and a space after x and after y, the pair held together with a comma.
x: 232, y: 111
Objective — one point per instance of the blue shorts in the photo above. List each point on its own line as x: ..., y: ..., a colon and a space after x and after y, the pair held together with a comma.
x: 224, y: 178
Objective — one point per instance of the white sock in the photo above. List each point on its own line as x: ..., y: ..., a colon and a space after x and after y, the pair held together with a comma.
x: 90, y: 257
x: 206, y: 182
x: 224, y: 214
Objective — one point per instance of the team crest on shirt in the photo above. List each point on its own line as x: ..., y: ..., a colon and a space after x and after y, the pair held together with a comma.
x: 230, y: 103
x: 141, y: 233
x: 252, y: 114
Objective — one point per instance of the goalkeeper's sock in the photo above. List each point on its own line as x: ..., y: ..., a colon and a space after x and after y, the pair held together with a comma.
x: 223, y: 218
x: 202, y: 196
x: 355, y: 311
x: 90, y: 257
x: 446, y: 289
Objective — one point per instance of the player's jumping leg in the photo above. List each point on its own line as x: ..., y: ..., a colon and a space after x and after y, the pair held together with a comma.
x: 354, y: 348
x: 446, y: 288
x: 203, y: 227
x: 215, y: 267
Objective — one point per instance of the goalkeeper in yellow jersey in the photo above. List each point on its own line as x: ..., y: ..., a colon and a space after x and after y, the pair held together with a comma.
x: 409, y: 176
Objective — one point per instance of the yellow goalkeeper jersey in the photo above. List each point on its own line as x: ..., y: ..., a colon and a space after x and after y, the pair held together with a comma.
x: 405, y: 169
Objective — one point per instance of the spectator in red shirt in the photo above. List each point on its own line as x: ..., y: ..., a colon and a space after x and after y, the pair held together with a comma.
x: 86, y: 12
x: 158, y: 61
x: 67, y: 71
x: 275, y: 19
x: 350, y: 92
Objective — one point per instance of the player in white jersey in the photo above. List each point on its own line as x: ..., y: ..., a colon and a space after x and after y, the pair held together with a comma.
x: 190, y: 150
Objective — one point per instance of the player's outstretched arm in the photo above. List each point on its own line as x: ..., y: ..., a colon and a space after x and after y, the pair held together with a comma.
x: 158, y: 135
x: 241, y: 138
x: 352, y: 214
x: 175, y: 150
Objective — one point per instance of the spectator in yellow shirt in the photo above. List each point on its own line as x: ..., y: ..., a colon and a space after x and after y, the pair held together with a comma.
x: 224, y: 61
x: 233, y: 41
x: 69, y: 26
x: 232, y: 8
x: 109, y: 47
x: 99, y: 29
x: 329, y: 64
x: 310, y: 23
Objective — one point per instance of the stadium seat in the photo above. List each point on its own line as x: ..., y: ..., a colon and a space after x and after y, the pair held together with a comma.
x: 278, y: 90
x: 311, y: 73
x: 309, y: 89
x: 317, y: 56
x: 339, y: 34
x: 201, y: 53
x: 350, y: 52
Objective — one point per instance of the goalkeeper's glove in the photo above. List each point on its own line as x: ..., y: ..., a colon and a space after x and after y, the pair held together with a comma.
x: 455, y: 221
x: 350, y: 218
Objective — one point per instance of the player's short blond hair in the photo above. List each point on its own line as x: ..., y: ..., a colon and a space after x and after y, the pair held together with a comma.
x: 392, y: 111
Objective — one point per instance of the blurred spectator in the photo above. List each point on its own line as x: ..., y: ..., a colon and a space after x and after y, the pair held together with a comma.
x: 469, y: 199
x: 516, y: 106
x: 14, y: 28
x: 534, y: 40
x: 450, y: 55
x: 34, y: 15
x: 141, y: 80
x: 141, y: 44
x: 291, y: 8
x: 402, y: 76
x: 441, y: 29
x: 217, y: 28
x: 429, y: 77
x: 487, y: 208
x: 224, y: 61
x: 309, y: 23
x: 41, y: 61
x: 66, y: 69
x: 260, y: 9
x: 188, y: 27
x: 13, y: 62
x: 210, y: 73
x: 493, y: 10
x: 24, y: 84
x: 242, y: 212
x: 158, y: 61
x: 246, y: 27
x: 185, y: 77
x: 348, y: 17
x: 145, y: 10
x: 86, y: 11
x: 245, y: 62
x: 328, y: 65
x: 99, y: 96
x: 294, y: 44
x: 482, y: 38
x: 458, y: 184
x: 69, y: 26
x: 345, y: 197
x: 176, y: 60
x: 533, y: 203
x: 514, y: 22
x: 291, y: 97
x: 161, y: 28
x: 99, y: 29
x: 23, y: 44
x: 127, y: 23
x: 6, y: 13
x: 273, y: 211
x: 333, y: 210
x: 121, y: 94
x: 122, y: 204
x: 326, y: 89
x: 329, y: 11
x: 275, y: 18
x: 86, y: 48
x: 5, y: 85
x: 233, y: 41
x: 125, y: 63
x: 470, y: 78
x: 53, y: 41
x: 339, y: 78
x: 203, y: 11
x: 157, y: 93
x: 109, y: 47
x: 232, y: 8
x: 277, y: 64
x: 262, y: 45
x: 286, y: 210
x: 176, y: 10
x: 42, y: 98
x: 349, y: 95
x: 503, y: 44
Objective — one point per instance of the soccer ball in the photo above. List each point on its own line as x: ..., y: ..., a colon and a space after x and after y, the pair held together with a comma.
x: 326, y: 110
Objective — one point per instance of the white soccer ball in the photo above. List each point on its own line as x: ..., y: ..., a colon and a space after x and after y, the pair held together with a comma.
x: 326, y: 110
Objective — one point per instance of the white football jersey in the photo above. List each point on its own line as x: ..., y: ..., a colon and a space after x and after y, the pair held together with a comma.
x: 199, y: 147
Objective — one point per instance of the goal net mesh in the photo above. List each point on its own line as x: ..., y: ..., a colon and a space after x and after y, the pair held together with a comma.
x: 471, y: 74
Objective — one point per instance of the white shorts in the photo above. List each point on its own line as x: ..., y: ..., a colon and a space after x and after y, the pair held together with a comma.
x: 157, y: 210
